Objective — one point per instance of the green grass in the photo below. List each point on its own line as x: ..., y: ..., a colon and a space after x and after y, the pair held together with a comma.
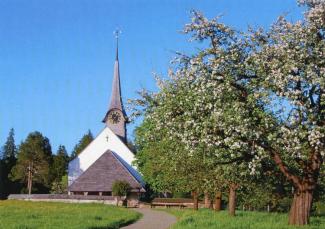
x: 208, y: 219
x: 29, y: 215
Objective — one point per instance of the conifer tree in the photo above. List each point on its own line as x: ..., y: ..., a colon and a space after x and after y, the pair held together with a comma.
x: 9, y: 149
x: 9, y: 152
x: 82, y: 144
x: 60, y: 164
x: 2, y: 191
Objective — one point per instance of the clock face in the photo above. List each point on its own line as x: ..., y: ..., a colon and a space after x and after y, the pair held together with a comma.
x: 114, y: 117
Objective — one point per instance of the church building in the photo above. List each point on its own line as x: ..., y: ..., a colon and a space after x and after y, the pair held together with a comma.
x: 107, y: 158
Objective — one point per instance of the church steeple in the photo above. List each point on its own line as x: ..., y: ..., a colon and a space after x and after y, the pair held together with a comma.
x: 116, y: 97
x: 115, y: 117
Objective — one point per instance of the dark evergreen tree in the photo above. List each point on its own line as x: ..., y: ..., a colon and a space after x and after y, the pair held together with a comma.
x: 34, y: 156
x: 59, y: 171
x: 2, y: 187
x: 9, y: 151
x: 82, y: 144
x: 60, y: 164
x: 131, y: 146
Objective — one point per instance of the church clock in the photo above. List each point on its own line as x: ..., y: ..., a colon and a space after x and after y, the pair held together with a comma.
x: 114, y: 117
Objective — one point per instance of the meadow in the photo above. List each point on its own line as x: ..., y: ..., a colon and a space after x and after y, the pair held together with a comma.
x: 208, y: 219
x: 29, y: 215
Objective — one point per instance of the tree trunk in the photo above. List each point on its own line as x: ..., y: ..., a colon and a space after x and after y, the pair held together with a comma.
x: 117, y: 200
x: 28, y: 180
x: 28, y: 186
x: 211, y: 204
x: 217, y: 205
x: 232, y: 200
x: 195, y: 200
x: 207, y: 200
x: 300, y: 208
x: 303, y: 196
x: 30, y: 183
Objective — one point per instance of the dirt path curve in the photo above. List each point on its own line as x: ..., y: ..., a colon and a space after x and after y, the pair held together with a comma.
x: 152, y: 219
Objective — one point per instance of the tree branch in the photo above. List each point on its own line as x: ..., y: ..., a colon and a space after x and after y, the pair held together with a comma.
x: 282, y: 166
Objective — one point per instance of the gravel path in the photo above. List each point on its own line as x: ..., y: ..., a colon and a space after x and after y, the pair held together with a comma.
x: 152, y: 219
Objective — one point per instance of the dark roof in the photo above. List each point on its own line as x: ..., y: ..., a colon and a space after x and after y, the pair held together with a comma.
x: 101, y: 175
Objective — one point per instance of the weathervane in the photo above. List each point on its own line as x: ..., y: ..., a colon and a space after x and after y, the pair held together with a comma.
x: 117, y: 33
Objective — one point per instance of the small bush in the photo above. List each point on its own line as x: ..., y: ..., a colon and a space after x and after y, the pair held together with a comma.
x: 121, y: 188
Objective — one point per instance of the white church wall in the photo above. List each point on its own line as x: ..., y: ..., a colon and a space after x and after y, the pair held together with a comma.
x: 106, y: 140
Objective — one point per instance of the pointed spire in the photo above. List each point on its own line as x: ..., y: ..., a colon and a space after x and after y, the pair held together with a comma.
x: 116, y: 96
x: 116, y: 118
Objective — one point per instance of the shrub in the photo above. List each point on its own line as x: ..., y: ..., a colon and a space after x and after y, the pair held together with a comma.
x: 121, y: 188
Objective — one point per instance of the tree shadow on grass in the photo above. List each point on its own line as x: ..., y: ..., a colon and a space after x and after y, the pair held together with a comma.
x: 117, y: 226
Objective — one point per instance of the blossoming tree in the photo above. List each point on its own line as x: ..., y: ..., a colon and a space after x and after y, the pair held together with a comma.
x: 250, y: 97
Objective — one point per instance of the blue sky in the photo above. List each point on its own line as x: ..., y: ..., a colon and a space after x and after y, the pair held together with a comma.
x: 56, y: 57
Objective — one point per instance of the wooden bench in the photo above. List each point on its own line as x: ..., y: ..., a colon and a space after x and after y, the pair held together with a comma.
x: 171, y: 202
x: 168, y: 205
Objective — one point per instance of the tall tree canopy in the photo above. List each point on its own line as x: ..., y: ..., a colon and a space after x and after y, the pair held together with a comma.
x: 82, y: 144
x: 249, y: 97
x: 34, y: 155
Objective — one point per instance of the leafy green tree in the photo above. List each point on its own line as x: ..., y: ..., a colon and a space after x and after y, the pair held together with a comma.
x: 168, y: 168
x: 82, y: 144
x: 34, y: 157
x: 266, y: 192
